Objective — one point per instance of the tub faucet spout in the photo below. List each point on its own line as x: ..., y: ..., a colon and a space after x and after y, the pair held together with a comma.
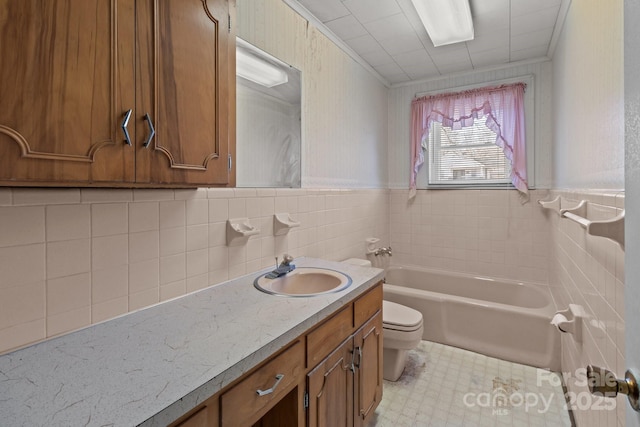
x: 383, y: 251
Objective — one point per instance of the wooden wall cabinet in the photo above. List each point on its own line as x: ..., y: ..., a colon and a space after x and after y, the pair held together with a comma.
x: 84, y: 82
x: 332, y: 377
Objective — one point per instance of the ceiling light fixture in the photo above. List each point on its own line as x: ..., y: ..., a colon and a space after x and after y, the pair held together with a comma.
x: 446, y: 21
x: 258, y: 71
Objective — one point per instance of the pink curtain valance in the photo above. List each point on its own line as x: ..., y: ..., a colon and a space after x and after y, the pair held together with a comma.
x: 503, y: 106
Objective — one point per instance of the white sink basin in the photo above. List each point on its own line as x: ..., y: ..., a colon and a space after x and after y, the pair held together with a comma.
x: 304, y: 282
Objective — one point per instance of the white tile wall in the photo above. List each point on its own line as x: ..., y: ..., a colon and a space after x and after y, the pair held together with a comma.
x: 125, y: 250
x: 589, y: 271
x: 487, y: 232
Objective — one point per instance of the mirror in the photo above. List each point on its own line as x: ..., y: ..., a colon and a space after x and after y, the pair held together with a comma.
x: 268, y: 117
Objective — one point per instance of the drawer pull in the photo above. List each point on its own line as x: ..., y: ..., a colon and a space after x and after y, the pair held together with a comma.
x: 279, y: 378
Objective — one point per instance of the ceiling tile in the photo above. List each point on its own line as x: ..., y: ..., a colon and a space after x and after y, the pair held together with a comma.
x: 490, y: 57
x: 371, y: 10
x: 417, y: 72
x: 498, y: 39
x: 378, y: 57
x: 491, y: 22
x: 389, y: 27
x: 389, y: 35
x: 392, y: 73
x: 532, y: 52
x: 364, y: 44
x: 410, y: 12
x: 401, y: 44
x: 346, y: 27
x: 455, y: 67
x: 396, y: 79
x: 325, y: 10
x: 545, y: 18
x: 529, y: 40
x: 453, y: 59
x: 416, y: 57
x: 479, y: 7
x: 523, y: 7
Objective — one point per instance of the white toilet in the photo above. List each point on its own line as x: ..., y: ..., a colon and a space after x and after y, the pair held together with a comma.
x: 402, y: 331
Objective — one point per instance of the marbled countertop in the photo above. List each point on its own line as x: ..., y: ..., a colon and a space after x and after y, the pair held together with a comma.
x: 151, y: 366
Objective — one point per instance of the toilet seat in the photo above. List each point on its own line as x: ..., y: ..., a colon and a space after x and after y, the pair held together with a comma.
x: 400, y: 318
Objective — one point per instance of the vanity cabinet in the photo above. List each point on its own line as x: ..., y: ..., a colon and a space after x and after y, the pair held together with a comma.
x: 259, y: 392
x: 331, y: 376
x: 346, y: 387
x: 116, y: 92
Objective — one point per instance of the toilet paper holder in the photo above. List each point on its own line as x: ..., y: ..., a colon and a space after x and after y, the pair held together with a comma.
x: 570, y: 321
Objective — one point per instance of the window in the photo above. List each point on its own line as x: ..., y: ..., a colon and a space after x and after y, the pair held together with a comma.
x: 473, y: 137
x: 466, y: 156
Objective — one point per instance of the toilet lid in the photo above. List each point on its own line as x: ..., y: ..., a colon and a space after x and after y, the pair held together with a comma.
x: 400, y: 317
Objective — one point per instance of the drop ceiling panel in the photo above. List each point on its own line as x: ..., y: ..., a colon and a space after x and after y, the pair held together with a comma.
x: 416, y: 57
x: 389, y: 27
x: 389, y: 35
x: 524, y: 7
x: 531, y: 22
x: 481, y: 7
x: 401, y: 44
x: 529, y: 40
x: 492, y: 22
x: 496, y: 40
x: 326, y: 10
x: 532, y: 52
x: 364, y: 44
x: 371, y: 10
x: 490, y: 57
x: 347, y: 27
x: 378, y: 57
x: 453, y: 59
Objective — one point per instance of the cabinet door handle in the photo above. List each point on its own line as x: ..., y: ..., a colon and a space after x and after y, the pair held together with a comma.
x: 152, y: 131
x: 279, y: 378
x: 124, y: 125
x: 359, y: 351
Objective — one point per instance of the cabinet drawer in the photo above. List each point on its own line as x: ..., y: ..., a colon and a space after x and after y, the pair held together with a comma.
x: 242, y: 405
x: 367, y: 305
x: 325, y: 338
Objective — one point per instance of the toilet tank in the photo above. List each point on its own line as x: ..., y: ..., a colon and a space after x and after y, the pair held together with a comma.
x: 358, y: 261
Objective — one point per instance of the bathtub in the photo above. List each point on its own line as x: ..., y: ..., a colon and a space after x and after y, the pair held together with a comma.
x: 499, y: 318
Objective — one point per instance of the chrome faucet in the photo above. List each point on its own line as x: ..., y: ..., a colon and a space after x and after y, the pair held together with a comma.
x: 282, y: 269
x: 383, y: 251
x: 286, y: 260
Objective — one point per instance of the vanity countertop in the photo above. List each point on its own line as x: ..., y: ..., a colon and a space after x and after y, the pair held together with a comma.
x: 151, y: 366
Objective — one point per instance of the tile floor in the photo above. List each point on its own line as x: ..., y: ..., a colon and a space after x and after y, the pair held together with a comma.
x: 445, y: 386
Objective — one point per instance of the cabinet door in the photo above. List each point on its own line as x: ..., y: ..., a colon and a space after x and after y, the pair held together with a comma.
x: 66, y: 81
x: 330, y: 387
x: 185, y: 90
x: 368, y: 373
